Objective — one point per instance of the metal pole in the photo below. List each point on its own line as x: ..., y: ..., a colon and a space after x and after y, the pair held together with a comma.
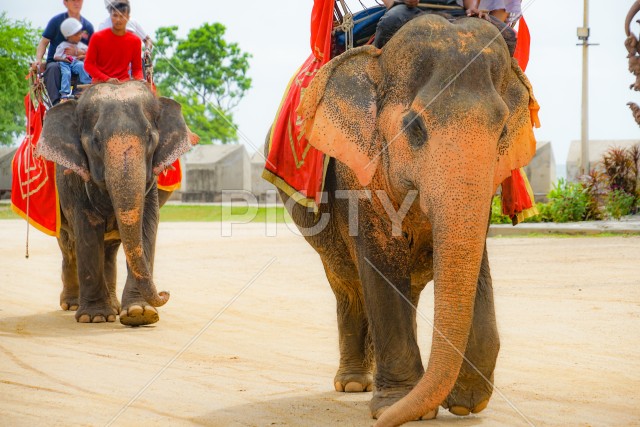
x: 584, y: 166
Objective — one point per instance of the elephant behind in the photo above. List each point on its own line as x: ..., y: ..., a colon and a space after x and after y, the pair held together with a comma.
x: 109, y: 146
x: 421, y: 134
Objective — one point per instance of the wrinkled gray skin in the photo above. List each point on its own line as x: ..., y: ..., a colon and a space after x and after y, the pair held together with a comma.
x: 109, y: 147
x: 393, y: 128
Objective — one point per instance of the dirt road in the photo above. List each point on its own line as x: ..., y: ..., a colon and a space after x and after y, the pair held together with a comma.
x: 249, y: 336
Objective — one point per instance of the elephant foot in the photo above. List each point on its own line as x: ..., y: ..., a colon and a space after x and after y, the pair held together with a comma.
x: 353, y: 382
x: 139, y: 315
x: 431, y: 415
x: 68, y: 302
x: 95, y: 314
x: 115, y: 303
x: 383, y: 399
x: 470, y: 395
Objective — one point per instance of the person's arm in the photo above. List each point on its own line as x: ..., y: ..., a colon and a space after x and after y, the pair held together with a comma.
x: 81, y: 50
x: 136, y: 62
x: 387, y: 3
x: 40, y: 50
x: 90, y: 61
x: 60, y: 54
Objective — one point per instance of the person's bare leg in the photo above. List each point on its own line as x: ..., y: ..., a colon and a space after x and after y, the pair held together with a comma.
x: 501, y: 14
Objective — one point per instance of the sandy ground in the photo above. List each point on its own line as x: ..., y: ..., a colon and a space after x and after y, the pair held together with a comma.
x: 249, y: 336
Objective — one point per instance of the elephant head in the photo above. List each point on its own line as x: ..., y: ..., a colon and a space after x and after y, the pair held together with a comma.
x: 119, y: 137
x: 442, y: 109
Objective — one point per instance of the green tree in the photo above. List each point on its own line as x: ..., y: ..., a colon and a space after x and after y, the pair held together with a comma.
x: 18, y: 42
x: 204, y: 73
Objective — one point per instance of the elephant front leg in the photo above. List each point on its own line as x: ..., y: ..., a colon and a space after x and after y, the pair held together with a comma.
x: 70, y: 287
x: 95, y: 302
x: 392, y: 319
x: 355, y: 371
x: 136, y: 311
x: 474, y: 385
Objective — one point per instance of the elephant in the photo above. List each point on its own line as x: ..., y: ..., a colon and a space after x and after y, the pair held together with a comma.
x: 108, y: 148
x: 420, y: 135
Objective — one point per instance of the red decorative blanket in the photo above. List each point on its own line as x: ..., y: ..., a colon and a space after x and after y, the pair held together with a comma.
x: 33, y: 188
x: 292, y: 164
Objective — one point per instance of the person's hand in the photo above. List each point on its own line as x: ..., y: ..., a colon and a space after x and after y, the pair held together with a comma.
x: 37, y: 66
x: 411, y: 3
x: 482, y: 14
x: 113, y: 80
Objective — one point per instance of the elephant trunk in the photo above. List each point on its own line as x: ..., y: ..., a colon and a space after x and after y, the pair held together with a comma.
x: 125, y: 178
x: 458, y: 209
x: 635, y: 7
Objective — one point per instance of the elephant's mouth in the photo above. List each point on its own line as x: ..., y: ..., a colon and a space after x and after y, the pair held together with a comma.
x: 99, y: 198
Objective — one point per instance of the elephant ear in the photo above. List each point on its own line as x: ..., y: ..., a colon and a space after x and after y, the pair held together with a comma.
x: 174, y: 138
x: 339, y: 110
x: 60, y: 139
x: 517, y: 145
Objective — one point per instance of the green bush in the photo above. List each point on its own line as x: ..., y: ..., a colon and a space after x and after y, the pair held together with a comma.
x: 568, y: 201
x: 544, y: 214
x: 619, y: 203
x: 496, y: 212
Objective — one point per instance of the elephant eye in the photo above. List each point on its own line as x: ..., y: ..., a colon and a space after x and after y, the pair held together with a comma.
x: 415, y: 129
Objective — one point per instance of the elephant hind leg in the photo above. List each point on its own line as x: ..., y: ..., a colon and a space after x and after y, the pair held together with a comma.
x: 355, y: 373
x: 70, y: 287
x: 474, y: 385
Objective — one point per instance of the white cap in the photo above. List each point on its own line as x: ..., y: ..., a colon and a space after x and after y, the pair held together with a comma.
x: 70, y: 26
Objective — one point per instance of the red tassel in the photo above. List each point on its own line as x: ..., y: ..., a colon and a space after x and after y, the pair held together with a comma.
x: 515, y: 197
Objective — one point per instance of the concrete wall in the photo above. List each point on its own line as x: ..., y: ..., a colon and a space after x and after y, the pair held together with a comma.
x: 259, y: 186
x: 541, y: 171
x: 210, y: 169
x: 6, y: 156
x: 596, y: 149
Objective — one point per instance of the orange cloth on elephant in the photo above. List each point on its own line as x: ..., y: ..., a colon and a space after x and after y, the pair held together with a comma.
x: 516, y: 195
x: 33, y: 180
x: 523, y: 44
x: 171, y: 178
x: 293, y: 165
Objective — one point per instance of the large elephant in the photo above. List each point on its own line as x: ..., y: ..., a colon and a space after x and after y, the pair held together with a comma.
x: 422, y: 133
x: 109, y: 146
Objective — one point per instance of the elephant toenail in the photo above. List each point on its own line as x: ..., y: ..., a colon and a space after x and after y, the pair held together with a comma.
x: 459, y: 410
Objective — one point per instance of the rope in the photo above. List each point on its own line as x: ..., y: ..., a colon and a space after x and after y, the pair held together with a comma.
x: 29, y: 136
x: 346, y: 25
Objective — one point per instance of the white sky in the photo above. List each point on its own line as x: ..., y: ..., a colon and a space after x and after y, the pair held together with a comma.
x: 276, y: 33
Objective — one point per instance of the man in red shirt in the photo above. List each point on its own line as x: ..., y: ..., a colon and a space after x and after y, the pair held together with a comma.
x: 113, y: 50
